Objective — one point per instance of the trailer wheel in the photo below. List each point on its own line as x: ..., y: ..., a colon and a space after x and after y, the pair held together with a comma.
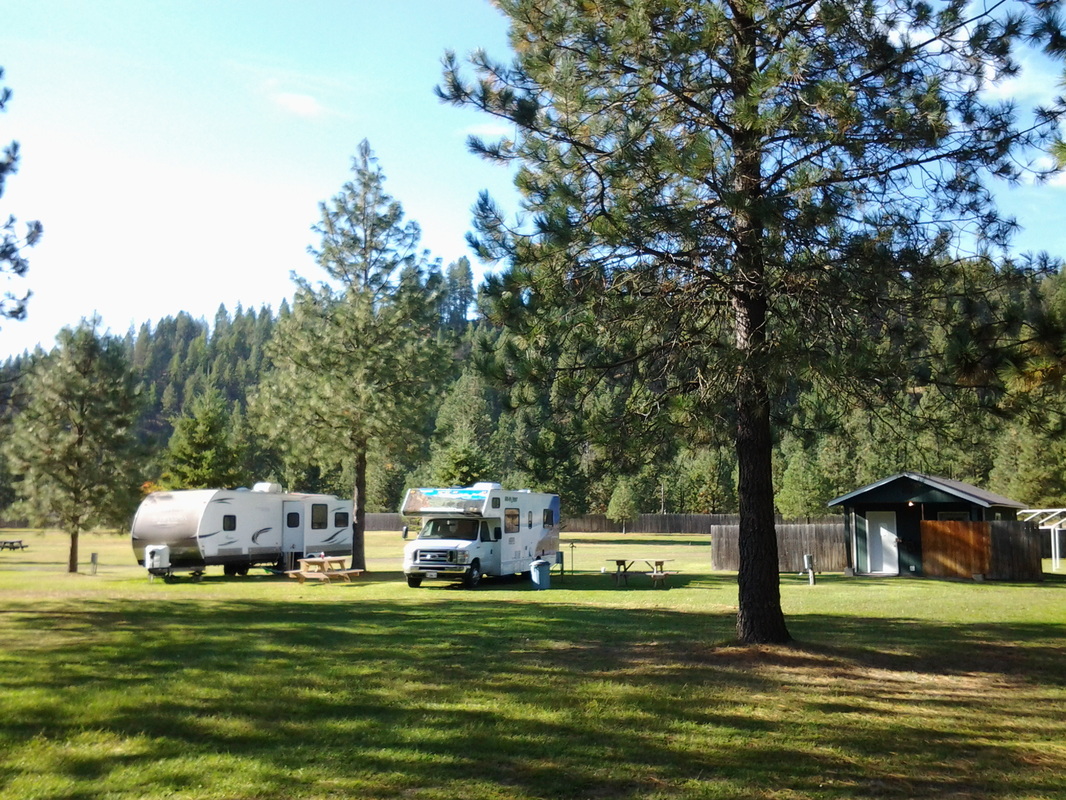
x: 472, y: 579
x: 414, y: 581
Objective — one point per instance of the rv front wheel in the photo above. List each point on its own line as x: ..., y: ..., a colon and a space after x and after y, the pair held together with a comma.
x: 414, y: 581
x: 473, y: 578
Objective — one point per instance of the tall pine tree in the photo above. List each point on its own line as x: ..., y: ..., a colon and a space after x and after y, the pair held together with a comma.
x: 73, y: 445
x: 726, y: 197
x: 356, y: 364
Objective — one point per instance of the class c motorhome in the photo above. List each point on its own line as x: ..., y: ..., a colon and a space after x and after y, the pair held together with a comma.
x: 479, y: 530
x: 237, y: 528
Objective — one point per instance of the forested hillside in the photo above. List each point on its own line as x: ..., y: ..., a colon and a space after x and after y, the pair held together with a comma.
x: 1010, y: 439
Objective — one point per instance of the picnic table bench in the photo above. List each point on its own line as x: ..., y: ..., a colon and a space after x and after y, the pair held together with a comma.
x: 658, y: 577
x: 324, y: 569
x: 314, y: 575
x: 12, y: 544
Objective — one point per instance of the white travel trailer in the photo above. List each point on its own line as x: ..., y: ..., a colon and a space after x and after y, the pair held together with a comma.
x: 480, y: 530
x: 237, y: 528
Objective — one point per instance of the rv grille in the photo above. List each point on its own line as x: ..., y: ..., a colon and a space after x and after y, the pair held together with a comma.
x: 435, y: 556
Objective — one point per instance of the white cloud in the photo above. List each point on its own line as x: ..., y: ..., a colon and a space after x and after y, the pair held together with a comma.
x: 489, y: 130
x: 1039, y: 81
x: 302, y: 105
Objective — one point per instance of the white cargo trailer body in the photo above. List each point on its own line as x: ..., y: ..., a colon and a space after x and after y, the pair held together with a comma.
x: 237, y: 528
x: 479, y: 530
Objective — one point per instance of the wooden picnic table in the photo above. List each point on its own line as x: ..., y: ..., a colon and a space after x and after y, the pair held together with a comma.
x: 323, y: 568
x: 12, y: 544
x: 657, y: 566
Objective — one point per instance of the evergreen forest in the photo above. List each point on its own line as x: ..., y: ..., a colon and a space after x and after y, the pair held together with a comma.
x: 198, y: 378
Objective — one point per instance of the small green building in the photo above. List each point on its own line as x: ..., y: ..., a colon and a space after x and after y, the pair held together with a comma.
x: 883, y: 519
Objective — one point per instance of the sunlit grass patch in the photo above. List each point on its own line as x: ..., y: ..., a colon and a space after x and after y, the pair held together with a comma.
x: 115, y: 686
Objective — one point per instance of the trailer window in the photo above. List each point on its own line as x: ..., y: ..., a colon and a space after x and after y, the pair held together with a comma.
x: 340, y: 519
x: 549, y: 518
x: 512, y: 520
x: 292, y: 519
x: 319, y: 516
x: 229, y: 522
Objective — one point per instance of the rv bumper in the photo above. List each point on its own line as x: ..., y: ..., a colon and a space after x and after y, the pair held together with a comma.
x: 449, y: 571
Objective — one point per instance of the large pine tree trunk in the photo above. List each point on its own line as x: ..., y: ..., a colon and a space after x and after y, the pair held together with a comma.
x: 759, y: 616
x: 359, y: 509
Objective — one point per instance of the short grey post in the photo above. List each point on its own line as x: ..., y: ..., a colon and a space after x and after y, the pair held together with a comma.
x: 93, y: 560
x: 808, y: 564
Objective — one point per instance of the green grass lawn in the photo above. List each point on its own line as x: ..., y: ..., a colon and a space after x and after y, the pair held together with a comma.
x: 116, y: 686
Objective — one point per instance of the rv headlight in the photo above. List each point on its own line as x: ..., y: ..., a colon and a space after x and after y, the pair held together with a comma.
x: 462, y: 557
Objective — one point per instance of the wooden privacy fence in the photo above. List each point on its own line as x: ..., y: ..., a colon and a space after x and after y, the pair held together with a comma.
x: 643, y: 523
x: 669, y: 523
x: 598, y: 523
x: 826, y: 541
x: 385, y: 522
x: 1000, y: 550
x: 648, y: 523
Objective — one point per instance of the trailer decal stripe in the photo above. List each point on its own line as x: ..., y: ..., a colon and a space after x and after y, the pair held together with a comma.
x: 258, y: 533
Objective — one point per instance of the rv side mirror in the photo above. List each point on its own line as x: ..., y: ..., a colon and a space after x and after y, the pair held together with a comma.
x: 404, y: 531
x: 497, y: 534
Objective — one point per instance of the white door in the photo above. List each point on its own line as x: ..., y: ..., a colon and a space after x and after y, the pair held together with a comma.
x: 882, y: 543
x: 292, y: 527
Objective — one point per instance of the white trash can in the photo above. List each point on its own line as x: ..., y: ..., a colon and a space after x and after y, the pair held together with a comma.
x: 541, y: 572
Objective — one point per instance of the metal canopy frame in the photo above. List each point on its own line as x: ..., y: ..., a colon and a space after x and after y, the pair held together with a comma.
x: 1052, y: 519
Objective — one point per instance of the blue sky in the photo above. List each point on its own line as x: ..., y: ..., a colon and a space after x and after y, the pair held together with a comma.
x: 176, y: 150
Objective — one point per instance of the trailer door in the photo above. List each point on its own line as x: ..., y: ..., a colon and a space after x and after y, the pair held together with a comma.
x: 292, y: 530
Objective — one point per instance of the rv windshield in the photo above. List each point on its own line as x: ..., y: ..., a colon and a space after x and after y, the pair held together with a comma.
x: 450, y: 529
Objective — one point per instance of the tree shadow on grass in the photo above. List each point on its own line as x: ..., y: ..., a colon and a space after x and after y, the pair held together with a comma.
x: 492, y: 698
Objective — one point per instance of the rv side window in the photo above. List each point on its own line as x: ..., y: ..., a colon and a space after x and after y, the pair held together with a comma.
x: 485, y: 535
x: 340, y: 519
x: 549, y: 518
x: 229, y: 522
x: 319, y: 516
x: 512, y: 520
x: 495, y: 502
x: 292, y: 519
x: 530, y: 523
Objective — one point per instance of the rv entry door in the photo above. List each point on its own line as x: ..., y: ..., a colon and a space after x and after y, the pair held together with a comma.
x: 292, y: 530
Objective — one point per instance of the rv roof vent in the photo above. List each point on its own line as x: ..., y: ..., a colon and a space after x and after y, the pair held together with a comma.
x: 484, y: 486
x: 271, y: 488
